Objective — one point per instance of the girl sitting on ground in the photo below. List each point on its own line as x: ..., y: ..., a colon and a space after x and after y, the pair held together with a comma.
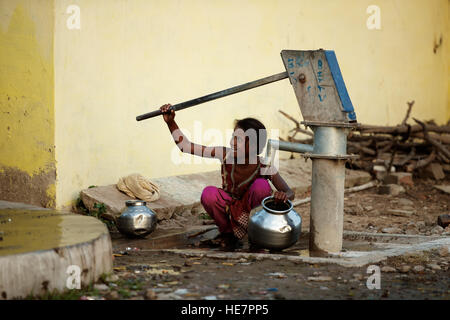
x: 244, y: 177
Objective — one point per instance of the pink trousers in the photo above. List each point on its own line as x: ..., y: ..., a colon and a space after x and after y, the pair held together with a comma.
x: 215, y: 200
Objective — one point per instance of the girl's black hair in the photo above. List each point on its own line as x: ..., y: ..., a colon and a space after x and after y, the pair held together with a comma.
x: 252, y: 123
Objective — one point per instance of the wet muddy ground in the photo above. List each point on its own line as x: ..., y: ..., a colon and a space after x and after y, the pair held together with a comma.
x: 140, y: 274
x: 205, y: 278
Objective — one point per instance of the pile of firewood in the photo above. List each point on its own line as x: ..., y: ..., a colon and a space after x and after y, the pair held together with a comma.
x: 405, y: 147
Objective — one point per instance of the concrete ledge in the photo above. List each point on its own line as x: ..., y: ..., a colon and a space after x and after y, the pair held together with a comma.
x: 347, y: 259
x: 17, y: 205
x: 163, y: 239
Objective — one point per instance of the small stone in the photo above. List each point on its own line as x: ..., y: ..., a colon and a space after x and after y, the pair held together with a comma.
x: 320, y: 278
x: 433, y: 171
x: 420, y: 224
x: 380, y: 172
x: 158, y: 290
x: 101, y: 287
x: 443, y: 220
x: 443, y: 188
x: 437, y: 230
x: 278, y: 275
x: 112, y: 278
x: 113, y: 295
x: 401, y: 213
x: 279, y: 296
x: 91, y: 298
x: 358, y: 276
x: 391, y: 230
x: 150, y: 295
x: 411, y: 225
x: 443, y: 251
x: 181, y: 292
x: 434, y: 266
x: 418, y: 269
x: 405, y: 202
x: 399, y: 178
x: 429, y: 221
x: 391, y: 189
x: 388, y: 269
x: 404, y: 269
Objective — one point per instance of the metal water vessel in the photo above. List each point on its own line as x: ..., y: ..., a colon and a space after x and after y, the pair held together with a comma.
x: 136, y: 220
x: 275, y: 226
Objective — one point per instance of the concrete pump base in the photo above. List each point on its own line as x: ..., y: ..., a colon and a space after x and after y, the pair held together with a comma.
x: 42, y: 250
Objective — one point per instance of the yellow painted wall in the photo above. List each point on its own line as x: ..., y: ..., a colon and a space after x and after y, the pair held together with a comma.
x: 447, y: 48
x: 130, y: 57
x: 27, y: 158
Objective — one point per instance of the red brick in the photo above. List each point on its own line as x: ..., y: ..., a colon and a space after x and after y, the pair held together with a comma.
x: 399, y: 178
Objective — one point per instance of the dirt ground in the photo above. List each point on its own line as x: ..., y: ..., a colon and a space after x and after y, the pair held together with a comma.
x: 419, y: 206
x: 140, y: 274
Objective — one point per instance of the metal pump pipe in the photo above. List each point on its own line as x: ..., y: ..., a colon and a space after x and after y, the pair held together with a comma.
x: 327, y: 190
x: 286, y: 146
x: 328, y: 154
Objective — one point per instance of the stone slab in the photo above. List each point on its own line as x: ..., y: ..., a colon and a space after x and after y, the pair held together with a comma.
x: 181, y: 193
x: 399, y: 178
x: 443, y: 188
x: 433, y: 171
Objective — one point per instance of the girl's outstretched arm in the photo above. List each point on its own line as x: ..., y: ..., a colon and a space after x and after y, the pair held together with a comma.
x: 183, y: 142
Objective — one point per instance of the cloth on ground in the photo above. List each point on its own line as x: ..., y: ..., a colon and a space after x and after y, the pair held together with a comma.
x: 137, y: 186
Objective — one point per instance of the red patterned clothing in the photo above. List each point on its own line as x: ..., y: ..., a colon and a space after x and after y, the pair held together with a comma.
x: 243, y: 188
